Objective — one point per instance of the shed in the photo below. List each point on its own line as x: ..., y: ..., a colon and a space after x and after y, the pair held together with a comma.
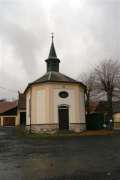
x: 8, y: 113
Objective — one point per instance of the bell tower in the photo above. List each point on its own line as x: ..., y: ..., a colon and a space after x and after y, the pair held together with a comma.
x: 52, y: 61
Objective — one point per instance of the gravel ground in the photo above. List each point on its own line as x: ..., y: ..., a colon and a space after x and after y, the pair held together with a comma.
x: 77, y: 158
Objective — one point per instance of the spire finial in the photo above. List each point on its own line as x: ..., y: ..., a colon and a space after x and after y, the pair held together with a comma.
x: 52, y: 36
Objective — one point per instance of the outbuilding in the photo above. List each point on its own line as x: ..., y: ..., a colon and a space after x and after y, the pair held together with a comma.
x: 8, y: 113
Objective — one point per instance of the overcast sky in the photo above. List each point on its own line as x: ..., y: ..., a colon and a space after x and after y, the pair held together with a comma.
x: 86, y: 32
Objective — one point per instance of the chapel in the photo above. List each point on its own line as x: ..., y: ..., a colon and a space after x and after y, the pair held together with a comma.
x: 55, y: 101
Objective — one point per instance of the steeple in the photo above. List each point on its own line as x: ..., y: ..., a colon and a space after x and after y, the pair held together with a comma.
x: 52, y: 53
x: 52, y: 61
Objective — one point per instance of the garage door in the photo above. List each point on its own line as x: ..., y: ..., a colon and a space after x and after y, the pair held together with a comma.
x: 9, y: 121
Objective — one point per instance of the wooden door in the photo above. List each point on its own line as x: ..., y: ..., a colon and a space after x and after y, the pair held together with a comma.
x: 22, y: 118
x: 9, y: 121
x: 63, y: 117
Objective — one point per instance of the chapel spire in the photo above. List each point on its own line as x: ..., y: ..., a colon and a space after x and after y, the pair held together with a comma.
x: 52, y: 53
x: 52, y: 61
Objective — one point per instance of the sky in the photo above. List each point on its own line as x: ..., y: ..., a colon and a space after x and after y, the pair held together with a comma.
x: 86, y: 32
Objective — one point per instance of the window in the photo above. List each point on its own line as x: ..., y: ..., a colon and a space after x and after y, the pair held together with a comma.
x: 63, y: 94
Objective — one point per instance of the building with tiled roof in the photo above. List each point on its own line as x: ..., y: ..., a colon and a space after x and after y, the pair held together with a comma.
x: 8, y: 113
x: 55, y: 101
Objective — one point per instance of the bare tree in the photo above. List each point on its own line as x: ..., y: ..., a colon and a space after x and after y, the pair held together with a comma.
x: 107, y: 80
x: 89, y: 80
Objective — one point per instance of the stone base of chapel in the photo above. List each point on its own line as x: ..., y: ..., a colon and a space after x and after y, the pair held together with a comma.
x: 75, y: 127
x: 43, y: 128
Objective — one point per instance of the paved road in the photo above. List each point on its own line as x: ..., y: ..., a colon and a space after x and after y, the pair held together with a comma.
x: 83, y: 158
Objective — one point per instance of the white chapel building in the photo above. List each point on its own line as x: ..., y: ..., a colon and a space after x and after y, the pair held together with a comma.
x: 55, y: 101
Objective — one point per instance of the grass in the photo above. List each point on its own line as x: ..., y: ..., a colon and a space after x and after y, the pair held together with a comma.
x: 61, y: 134
x: 44, y: 135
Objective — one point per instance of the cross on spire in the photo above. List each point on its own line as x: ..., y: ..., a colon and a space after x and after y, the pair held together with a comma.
x: 52, y: 36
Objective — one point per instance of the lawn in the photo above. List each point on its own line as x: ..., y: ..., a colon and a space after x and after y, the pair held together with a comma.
x: 63, y: 134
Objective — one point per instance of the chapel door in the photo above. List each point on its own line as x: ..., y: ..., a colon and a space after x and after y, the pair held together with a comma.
x: 63, y: 117
x: 22, y: 118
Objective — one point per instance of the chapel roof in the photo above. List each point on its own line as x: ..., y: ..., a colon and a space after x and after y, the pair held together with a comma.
x: 53, y: 76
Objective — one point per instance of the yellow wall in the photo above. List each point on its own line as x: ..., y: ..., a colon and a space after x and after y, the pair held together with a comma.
x: 116, y: 120
x: 47, y: 95
x: 116, y: 117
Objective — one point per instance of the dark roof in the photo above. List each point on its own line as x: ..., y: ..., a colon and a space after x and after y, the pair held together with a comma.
x: 103, y: 107
x: 116, y: 107
x: 7, y: 105
x: 22, y: 101
x: 10, y: 112
x: 53, y: 76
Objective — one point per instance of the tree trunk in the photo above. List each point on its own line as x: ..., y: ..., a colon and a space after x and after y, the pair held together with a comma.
x: 88, y: 103
x: 110, y: 106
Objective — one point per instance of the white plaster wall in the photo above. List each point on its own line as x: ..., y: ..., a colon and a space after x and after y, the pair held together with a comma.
x: 28, y: 109
x: 70, y: 101
x: 45, y: 102
x: 40, y: 107
x: 82, y: 107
